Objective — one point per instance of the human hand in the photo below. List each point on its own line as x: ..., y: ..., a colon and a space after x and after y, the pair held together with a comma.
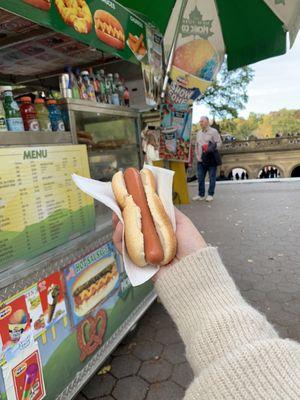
x: 189, y: 239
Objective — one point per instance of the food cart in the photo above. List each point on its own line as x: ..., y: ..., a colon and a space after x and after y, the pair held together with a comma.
x: 65, y: 299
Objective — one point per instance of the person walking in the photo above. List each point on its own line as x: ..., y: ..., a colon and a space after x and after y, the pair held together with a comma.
x: 208, y: 140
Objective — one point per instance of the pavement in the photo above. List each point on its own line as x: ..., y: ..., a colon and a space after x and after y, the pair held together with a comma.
x: 256, y: 227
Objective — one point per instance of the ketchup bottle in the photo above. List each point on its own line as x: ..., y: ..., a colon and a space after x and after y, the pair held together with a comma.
x: 29, y: 115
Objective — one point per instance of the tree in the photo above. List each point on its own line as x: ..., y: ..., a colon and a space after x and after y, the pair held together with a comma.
x: 228, y: 94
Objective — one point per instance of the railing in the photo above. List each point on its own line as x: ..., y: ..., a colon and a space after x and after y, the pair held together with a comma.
x: 260, y: 145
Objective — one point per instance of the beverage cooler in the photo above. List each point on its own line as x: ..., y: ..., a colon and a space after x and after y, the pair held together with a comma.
x: 65, y: 299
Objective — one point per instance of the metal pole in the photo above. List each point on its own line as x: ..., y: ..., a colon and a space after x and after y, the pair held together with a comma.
x: 171, y: 55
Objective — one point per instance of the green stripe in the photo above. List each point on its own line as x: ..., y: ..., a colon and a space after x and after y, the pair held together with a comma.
x: 251, y: 31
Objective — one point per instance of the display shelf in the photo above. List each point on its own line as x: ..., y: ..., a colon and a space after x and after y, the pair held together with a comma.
x: 34, y: 138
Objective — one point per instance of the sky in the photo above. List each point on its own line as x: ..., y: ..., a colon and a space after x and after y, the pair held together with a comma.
x: 276, y: 85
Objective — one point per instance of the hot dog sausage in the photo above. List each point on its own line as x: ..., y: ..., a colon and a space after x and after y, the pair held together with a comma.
x: 153, y: 249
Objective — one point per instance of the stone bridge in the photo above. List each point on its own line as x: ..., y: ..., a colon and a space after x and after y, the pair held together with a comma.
x: 254, y: 155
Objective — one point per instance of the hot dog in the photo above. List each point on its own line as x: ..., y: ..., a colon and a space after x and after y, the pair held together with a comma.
x: 109, y: 30
x: 41, y: 4
x: 149, y: 235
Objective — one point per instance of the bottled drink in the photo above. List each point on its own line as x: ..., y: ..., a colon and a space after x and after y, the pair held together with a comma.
x: 81, y: 86
x: 120, y: 88
x: 73, y: 84
x: 12, y: 112
x: 56, y: 119
x: 126, y: 97
x: 115, y: 95
x: 102, y: 87
x: 29, y: 115
x: 42, y: 115
x: 88, y: 86
x: 94, y: 83
x: 3, y: 127
x: 65, y: 86
x: 109, y: 88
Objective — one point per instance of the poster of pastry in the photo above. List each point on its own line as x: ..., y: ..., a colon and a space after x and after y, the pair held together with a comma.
x: 52, y: 298
x: 176, y: 127
x: 15, y: 328
x: 91, y: 280
x: 23, y: 376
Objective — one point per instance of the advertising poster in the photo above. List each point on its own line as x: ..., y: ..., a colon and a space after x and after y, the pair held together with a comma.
x: 15, y: 328
x: 199, y: 50
x: 91, y: 280
x: 153, y: 75
x: 52, y: 298
x: 176, y: 127
x: 40, y: 206
x: 23, y: 376
x: 103, y: 24
x: 36, y: 313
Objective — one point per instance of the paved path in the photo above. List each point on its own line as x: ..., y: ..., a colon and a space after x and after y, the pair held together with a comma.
x: 257, y: 229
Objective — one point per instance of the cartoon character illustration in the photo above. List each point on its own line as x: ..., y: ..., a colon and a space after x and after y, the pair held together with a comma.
x: 17, y: 325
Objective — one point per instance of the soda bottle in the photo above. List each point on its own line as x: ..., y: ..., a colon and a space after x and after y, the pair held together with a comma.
x: 42, y: 115
x: 3, y: 127
x: 88, y: 86
x: 73, y: 83
x: 109, y: 88
x: 81, y: 86
x: 101, y: 80
x: 115, y: 85
x: 120, y: 88
x: 126, y: 97
x: 55, y: 116
x: 12, y: 112
x: 94, y: 83
x: 29, y: 115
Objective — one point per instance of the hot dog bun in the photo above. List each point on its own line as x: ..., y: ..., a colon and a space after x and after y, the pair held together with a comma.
x: 109, y: 30
x: 144, y: 245
x: 41, y: 4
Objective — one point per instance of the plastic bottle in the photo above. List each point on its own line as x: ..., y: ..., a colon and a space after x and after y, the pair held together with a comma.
x: 81, y: 87
x: 109, y: 87
x: 3, y: 127
x: 94, y: 83
x: 88, y: 86
x: 12, y: 112
x: 126, y: 97
x: 73, y: 83
x: 42, y: 115
x: 55, y: 116
x: 101, y: 80
x: 115, y: 94
x: 28, y: 113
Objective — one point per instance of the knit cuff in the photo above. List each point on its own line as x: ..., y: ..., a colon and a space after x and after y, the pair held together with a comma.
x: 196, y: 283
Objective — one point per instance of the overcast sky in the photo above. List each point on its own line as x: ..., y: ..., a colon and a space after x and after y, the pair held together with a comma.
x: 276, y: 84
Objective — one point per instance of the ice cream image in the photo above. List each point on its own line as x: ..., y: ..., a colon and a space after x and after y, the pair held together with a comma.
x: 52, y: 297
x: 31, y: 373
x: 17, y: 325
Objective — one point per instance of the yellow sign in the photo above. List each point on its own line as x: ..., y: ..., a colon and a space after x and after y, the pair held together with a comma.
x: 40, y: 207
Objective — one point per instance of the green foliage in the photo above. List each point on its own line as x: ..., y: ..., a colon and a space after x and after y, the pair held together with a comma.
x: 228, y: 95
x: 283, y: 123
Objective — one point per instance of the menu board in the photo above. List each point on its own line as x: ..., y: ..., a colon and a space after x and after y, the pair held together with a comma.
x: 40, y: 206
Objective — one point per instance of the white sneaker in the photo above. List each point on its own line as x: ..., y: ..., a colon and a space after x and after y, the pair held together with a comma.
x: 198, y: 198
x: 209, y: 198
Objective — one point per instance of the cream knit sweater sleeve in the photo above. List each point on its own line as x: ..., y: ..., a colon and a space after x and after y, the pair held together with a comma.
x: 234, y: 352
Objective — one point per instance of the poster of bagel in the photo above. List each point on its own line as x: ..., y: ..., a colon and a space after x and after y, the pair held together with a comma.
x: 198, y: 53
x: 91, y: 280
x: 103, y: 24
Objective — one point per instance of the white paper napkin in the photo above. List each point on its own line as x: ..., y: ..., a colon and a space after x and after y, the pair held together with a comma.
x: 102, y: 191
